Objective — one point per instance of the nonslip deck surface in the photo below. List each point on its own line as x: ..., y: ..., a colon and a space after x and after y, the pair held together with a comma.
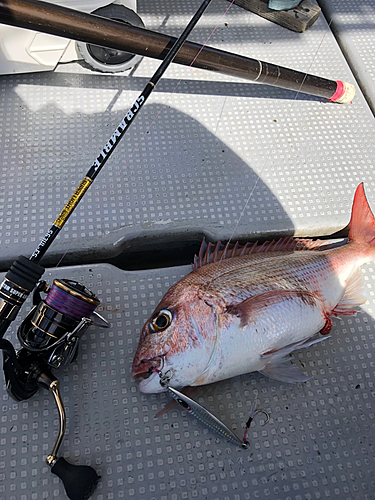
x: 223, y: 157
x: 318, y: 444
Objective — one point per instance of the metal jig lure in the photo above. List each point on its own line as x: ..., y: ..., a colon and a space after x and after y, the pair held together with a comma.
x: 205, y: 416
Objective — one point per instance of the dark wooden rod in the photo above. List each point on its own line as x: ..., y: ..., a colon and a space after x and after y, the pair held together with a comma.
x: 76, y: 25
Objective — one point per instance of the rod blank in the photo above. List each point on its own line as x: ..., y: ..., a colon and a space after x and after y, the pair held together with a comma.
x: 122, y: 128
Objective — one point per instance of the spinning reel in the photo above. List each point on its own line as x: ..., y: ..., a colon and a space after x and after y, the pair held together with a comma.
x: 49, y: 336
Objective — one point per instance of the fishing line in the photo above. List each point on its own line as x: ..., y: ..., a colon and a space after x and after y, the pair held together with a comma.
x: 287, y: 126
x: 163, y: 106
x: 170, y: 95
x: 65, y: 253
x: 136, y: 148
x: 187, y: 403
x: 259, y: 175
x: 253, y: 412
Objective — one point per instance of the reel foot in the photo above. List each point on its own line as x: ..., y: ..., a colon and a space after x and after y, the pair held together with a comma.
x: 80, y: 481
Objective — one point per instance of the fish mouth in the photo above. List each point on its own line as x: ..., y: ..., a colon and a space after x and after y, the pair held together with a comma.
x: 146, y: 367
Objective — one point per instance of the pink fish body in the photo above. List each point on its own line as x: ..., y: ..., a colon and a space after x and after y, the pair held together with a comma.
x: 244, y: 309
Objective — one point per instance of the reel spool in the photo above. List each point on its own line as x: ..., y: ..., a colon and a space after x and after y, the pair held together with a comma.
x: 54, y: 325
x: 49, y: 336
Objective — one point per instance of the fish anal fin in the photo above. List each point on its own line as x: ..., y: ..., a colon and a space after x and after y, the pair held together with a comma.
x: 276, y: 367
x: 279, y: 355
x: 354, y: 296
x: 285, y: 373
x: 249, y: 309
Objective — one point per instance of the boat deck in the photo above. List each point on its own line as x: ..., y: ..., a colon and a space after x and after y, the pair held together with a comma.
x: 220, y: 158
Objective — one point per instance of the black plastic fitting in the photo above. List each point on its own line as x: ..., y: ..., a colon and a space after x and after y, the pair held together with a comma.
x: 24, y: 273
x: 80, y: 481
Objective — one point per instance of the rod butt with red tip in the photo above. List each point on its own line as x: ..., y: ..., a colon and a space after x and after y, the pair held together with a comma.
x: 344, y: 93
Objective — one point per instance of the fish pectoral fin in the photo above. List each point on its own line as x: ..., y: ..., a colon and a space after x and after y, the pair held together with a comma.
x: 285, y: 373
x: 249, y: 309
x: 354, y: 295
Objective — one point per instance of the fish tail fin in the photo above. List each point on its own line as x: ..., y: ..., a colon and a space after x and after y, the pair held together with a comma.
x: 362, y: 222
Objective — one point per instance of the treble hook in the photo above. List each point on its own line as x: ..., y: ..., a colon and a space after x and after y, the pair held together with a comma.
x: 253, y: 412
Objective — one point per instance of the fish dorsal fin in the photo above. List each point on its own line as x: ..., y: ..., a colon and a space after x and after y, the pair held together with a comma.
x: 210, y: 252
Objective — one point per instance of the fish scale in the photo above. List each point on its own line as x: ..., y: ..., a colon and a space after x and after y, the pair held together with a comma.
x: 246, y: 276
x: 245, y: 309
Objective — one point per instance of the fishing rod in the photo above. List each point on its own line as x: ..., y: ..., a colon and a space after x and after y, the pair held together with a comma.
x: 92, y: 29
x: 50, y: 333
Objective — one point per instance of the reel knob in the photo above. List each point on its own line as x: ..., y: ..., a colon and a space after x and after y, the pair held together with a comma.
x: 79, y: 481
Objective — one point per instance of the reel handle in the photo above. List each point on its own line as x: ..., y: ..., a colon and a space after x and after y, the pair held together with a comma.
x: 79, y: 481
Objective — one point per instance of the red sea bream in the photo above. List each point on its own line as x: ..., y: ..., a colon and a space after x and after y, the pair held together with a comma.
x: 245, y: 309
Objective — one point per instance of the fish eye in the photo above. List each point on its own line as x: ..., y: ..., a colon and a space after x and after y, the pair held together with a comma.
x: 161, y: 321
